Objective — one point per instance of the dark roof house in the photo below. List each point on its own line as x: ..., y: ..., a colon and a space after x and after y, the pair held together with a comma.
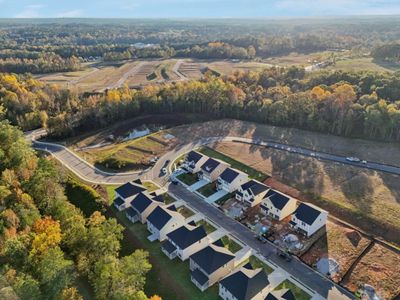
x: 141, y: 202
x: 277, y: 199
x: 193, y: 156
x: 229, y: 175
x: 255, y: 187
x: 284, y: 294
x: 184, y: 237
x: 159, y: 217
x: 246, y: 283
x: 128, y: 189
x: 306, y: 213
x: 210, y: 165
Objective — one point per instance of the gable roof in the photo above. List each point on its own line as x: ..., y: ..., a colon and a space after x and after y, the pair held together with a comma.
x: 119, y: 201
x: 159, y: 217
x: 128, y: 189
x: 284, y: 294
x: 141, y: 202
x: 307, y: 213
x: 194, y: 156
x: 131, y: 212
x: 229, y: 175
x: 277, y: 199
x: 255, y: 187
x: 246, y: 283
x: 185, y: 237
x: 212, y: 258
x: 210, y: 165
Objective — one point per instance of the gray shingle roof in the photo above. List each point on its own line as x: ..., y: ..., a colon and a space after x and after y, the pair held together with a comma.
x: 306, y: 213
x: 118, y: 201
x: 255, y: 187
x: 167, y: 246
x: 194, y: 156
x: 284, y: 294
x: 210, y: 165
x: 277, y: 199
x: 229, y: 175
x: 185, y: 237
x: 199, y: 276
x: 210, y: 259
x: 141, y: 202
x: 128, y: 189
x: 159, y: 218
x: 243, y: 287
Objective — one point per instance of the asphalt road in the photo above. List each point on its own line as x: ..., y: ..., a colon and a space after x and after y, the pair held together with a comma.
x: 296, y: 268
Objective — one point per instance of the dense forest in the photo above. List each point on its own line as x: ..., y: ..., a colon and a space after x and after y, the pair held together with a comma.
x: 47, y: 245
x: 363, y: 104
x: 45, y: 46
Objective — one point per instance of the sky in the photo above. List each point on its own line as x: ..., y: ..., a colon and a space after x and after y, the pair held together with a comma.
x: 193, y: 8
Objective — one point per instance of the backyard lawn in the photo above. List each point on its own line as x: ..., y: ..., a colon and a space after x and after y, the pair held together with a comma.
x: 207, y: 226
x: 185, y: 212
x: 168, y: 199
x: 208, y: 189
x: 298, y: 293
x: 176, y: 271
x: 188, y: 178
x: 225, y: 198
x: 230, y: 244
x: 254, y: 174
x: 257, y: 263
x: 149, y: 185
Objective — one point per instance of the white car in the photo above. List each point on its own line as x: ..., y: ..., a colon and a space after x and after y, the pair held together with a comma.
x: 164, y: 171
x: 353, y: 159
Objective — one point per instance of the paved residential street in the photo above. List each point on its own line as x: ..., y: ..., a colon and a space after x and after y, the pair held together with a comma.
x: 296, y: 268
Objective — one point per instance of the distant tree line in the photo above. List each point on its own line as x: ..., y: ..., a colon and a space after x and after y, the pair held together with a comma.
x: 388, y: 52
x: 363, y: 104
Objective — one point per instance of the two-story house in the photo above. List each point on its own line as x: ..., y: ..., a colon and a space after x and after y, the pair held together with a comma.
x: 245, y: 283
x: 210, y: 265
x: 278, y: 205
x: 185, y: 241
x: 126, y: 192
x: 211, y: 169
x: 230, y: 180
x: 308, y: 218
x: 162, y: 221
x: 283, y: 294
x: 193, y: 161
x: 252, y: 192
x: 141, y: 206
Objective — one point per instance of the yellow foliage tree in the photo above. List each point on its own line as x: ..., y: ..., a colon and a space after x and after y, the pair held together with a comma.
x: 47, y: 235
x: 155, y: 297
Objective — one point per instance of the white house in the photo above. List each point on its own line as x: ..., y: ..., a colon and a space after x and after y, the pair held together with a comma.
x: 162, y: 221
x: 252, y: 192
x: 185, y: 241
x: 211, y: 264
x: 142, y: 205
x: 193, y: 161
x: 278, y: 205
x: 230, y: 180
x: 245, y: 283
x: 284, y: 294
x: 126, y: 192
x: 308, y: 218
x: 211, y: 169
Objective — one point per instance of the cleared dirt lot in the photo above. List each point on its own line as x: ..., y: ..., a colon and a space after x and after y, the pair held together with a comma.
x: 357, y: 195
x: 340, y: 243
x: 380, y: 268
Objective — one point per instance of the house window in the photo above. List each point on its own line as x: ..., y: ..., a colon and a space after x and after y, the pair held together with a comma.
x: 302, y: 223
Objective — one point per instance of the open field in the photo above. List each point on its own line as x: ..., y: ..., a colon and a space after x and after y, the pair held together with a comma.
x: 341, y: 244
x: 363, y: 64
x: 228, y: 67
x: 299, y: 59
x: 365, y: 198
x: 380, y: 268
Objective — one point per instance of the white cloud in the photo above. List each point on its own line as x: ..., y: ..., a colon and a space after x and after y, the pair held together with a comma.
x: 30, y: 11
x: 76, y: 13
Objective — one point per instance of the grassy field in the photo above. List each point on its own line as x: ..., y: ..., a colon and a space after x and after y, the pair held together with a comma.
x: 230, y: 244
x: 207, y: 226
x: 380, y: 268
x: 364, y: 198
x: 340, y: 243
x: 188, y: 178
x: 253, y: 173
x: 298, y: 293
x: 168, y: 279
x: 208, y: 189
x: 363, y: 64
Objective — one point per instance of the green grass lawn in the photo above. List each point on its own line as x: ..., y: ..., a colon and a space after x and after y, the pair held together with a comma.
x: 176, y: 271
x: 168, y: 199
x: 224, y: 199
x: 185, y: 212
x: 230, y: 244
x: 254, y: 174
x: 208, y: 189
x: 150, y: 186
x: 257, y: 263
x: 298, y: 293
x: 207, y: 226
x: 188, y: 178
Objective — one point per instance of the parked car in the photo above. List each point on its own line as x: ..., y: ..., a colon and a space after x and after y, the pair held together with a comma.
x: 353, y: 159
x: 261, y: 239
x: 164, y: 171
x: 284, y: 255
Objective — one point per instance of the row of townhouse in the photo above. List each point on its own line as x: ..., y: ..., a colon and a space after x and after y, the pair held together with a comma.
x: 210, y: 262
x: 305, y: 218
